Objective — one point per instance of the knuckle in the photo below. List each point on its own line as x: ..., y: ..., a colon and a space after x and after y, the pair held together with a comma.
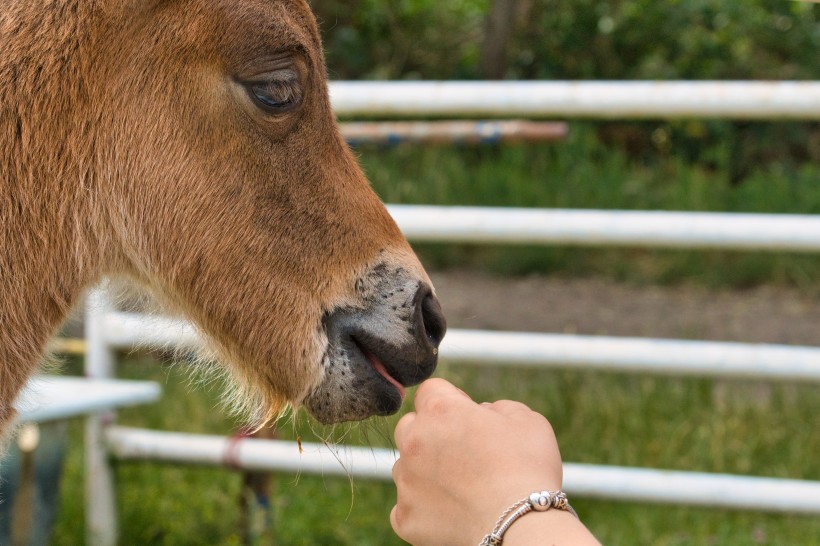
x: 401, y: 519
x: 429, y: 388
x: 422, y: 389
x: 403, y: 429
x: 434, y: 383
x: 413, y: 446
x: 409, y: 443
x: 438, y: 406
x: 398, y: 473
x: 511, y: 406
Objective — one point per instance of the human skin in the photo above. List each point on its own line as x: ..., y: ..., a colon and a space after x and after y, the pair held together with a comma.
x: 462, y: 464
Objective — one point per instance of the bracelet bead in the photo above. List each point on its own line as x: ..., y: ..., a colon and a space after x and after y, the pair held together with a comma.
x: 539, y: 501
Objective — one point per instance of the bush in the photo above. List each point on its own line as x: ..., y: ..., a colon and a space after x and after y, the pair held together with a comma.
x: 582, y: 39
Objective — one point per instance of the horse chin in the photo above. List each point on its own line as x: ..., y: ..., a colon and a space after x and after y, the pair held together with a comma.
x: 357, y: 382
x: 353, y: 393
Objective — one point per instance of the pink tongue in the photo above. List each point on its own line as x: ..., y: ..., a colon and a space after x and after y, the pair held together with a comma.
x: 379, y: 367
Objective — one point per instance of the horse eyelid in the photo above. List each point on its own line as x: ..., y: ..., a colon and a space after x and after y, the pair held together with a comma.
x: 277, y: 95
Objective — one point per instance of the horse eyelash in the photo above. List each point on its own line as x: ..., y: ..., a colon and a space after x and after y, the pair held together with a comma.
x: 285, y: 90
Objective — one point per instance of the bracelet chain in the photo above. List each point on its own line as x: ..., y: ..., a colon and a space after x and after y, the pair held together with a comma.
x: 540, y: 501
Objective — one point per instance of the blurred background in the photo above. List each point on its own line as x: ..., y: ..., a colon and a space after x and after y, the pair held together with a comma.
x: 766, y: 429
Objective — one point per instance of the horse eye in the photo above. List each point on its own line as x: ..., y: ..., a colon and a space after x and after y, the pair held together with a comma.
x: 281, y: 93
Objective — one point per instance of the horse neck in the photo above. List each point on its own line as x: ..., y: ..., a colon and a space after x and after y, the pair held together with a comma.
x: 46, y: 254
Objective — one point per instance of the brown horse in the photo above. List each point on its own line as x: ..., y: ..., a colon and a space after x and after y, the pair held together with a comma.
x: 189, y: 145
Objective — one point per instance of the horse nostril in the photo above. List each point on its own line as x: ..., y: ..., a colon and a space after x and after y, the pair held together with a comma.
x: 430, y: 319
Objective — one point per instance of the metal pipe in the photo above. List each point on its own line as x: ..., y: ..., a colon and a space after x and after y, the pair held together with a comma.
x: 50, y: 398
x: 99, y: 360
x: 452, y: 132
x: 130, y: 330
x: 631, y: 484
x: 249, y: 453
x: 591, y: 99
x: 624, y: 354
x: 634, y: 355
x: 770, y: 232
x: 101, y: 527
x: 693, y: 488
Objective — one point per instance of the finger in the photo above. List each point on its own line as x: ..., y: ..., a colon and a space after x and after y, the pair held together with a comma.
x: 394, y: 472
x: 435, y: 389
x: 398, y: 521
x: 393, y: 519
x: 402, y: 428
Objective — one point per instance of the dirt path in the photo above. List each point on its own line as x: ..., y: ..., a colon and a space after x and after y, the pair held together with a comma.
x: 601, y: 307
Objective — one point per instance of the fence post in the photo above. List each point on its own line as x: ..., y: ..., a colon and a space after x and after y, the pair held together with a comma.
x: 100, y: 498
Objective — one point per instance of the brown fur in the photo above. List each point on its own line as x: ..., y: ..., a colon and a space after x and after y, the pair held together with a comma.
x: 128, y: 148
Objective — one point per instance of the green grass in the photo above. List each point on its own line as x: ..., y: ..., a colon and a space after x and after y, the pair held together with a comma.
x: 583, y: 173
x: 689, y: 424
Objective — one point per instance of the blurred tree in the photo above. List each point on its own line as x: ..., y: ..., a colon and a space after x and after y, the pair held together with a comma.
x: 578, y: 39
x: 500, y: 22
x: 402, y: 39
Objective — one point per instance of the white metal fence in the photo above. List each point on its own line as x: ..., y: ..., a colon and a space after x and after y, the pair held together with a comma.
x: 728, y: 231
x: 593, y: 99
x: 635, y: 484
x: 108, y: 330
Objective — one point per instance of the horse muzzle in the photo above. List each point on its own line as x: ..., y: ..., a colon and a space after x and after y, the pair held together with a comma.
x: 375, y: 351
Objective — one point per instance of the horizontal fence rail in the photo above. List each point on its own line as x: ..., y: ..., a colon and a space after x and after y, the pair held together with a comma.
x: 131, y: 330
x: 49, y: 398
x: 729, y: 231
x: 632, y: 484
x: 452, y: 132
x: 657, y: 356
x: 593, y: 99
x: 634, y: 355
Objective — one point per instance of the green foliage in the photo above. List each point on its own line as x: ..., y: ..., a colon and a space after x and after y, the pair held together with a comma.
x: 582, y: 39
x: 372, y: 39
x: 645, y: 39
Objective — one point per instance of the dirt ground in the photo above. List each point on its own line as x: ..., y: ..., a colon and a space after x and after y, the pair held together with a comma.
x: 600, y: 307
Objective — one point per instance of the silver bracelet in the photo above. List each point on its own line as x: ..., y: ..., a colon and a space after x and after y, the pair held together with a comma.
x: 540, y: 501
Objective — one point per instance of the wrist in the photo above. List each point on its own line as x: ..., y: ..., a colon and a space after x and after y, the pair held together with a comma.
x: 554, y: 527
x: 539, y: 502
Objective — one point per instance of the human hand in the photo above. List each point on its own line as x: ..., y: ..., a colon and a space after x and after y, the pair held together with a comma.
x: 462, y: 464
